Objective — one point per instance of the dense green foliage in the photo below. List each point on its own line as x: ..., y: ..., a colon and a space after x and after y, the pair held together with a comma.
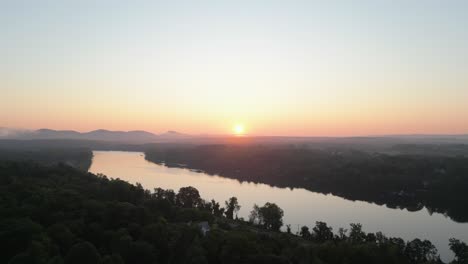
x: 460, y: 249
x: 408, y: 181
x: 63, y: 215
x: 269, y: 216
x: 76, y: 157
x: 232, y: 207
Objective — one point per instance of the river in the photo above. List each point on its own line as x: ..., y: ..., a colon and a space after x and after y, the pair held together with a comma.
x: 301, y: 207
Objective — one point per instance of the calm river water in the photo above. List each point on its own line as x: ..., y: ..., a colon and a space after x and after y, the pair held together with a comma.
x: 301, y: 207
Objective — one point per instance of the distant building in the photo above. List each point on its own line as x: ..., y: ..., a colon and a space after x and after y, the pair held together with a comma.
x: 204, y: 227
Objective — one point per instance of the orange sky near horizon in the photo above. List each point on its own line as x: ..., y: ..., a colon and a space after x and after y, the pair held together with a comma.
x: 295, y: 68
x: 338, y: 123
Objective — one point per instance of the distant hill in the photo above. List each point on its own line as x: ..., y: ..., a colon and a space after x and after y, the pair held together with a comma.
x: 136, y: 136
x: 6, y: 132
x: 173, y: 135
x: 130, y: 136
x: 52, y: 134
x: 369, y: 143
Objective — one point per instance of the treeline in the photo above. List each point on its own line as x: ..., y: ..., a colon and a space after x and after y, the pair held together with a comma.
x: 63, y: 215
x: 432, y: 149
x: 406, y: 181
x: 76, y: 157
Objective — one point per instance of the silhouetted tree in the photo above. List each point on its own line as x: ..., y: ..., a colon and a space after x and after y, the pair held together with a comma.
x: 254, y: 217
x: 460, y: 249
x: 270, y: 216
x: 322, y: 232
x: 217, y: 209
x: 188, y: 197
x: 356, y: 235
x: 232, y: 207
x: 342, y: 233
x: 168, y: 195
x: 419, y: 251
x: 305, y: 233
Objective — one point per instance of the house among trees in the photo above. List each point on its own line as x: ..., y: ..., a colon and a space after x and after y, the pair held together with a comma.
x: 204, y: 227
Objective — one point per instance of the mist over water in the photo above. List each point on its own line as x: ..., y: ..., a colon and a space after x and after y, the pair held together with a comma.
x: 301, y: 207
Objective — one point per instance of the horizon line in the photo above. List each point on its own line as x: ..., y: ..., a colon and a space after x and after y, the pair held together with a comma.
x: 247, y: 135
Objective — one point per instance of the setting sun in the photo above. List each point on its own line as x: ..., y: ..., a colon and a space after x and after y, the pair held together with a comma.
x: 239, y: 129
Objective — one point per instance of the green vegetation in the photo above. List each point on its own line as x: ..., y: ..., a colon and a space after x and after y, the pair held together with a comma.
x: 58, y: 214
x: 438, y: 183
x: 269, y: 216
x: 79, y: 158
x: 460, y: 249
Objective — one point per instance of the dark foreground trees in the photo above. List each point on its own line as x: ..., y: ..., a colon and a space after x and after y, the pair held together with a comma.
x: 232, y: 207
x: 322, y: 232
x: 270, y: 216
x: 82, y: 252
x: 59, y: 215
x: 188, y: 197
x: 460, y: 249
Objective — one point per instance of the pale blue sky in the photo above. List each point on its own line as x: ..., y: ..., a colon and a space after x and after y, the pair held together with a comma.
x: 279, y: 67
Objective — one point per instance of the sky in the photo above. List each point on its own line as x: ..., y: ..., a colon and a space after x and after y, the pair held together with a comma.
x: 291, y: 68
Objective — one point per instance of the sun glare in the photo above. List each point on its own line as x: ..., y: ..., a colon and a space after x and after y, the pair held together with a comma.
x: 239, y: 129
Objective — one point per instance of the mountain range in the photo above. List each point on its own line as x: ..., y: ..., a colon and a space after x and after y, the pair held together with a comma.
x: 136, y: 136
x: 140, y: 137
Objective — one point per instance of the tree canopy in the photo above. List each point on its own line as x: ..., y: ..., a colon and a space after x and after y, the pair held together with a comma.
x: 62, y: 215
x: 270, y: 216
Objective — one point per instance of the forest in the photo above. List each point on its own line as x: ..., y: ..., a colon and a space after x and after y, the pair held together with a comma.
x: 77, y: 157
x: 437, y: 182
x: 59, y: 214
